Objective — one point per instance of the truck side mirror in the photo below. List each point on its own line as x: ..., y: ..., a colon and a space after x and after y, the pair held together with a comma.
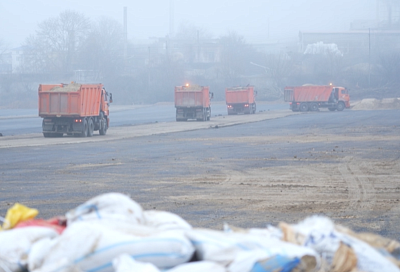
x: 211, y: 95
x: 111, y: 100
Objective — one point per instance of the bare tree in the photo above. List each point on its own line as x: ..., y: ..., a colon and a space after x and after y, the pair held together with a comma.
x: 102, y: 50
x: 56, y: 43
x: 188, y: 39
x: 236, y: 56
x: 389, y: 67
x: 3, y: 50
x: 191, y: 32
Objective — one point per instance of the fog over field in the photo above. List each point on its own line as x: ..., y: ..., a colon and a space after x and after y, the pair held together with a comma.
x: 141, y: 50
x: 255, y: 20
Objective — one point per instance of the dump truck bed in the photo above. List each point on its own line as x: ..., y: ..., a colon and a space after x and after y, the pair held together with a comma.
x: 73, y: 100
x: 239, y: 95
x: 192, y: 96
x: 308, y: 93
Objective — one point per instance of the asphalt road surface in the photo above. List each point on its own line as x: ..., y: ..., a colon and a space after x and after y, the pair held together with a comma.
x: 25, y: 121
x: 345, y: 165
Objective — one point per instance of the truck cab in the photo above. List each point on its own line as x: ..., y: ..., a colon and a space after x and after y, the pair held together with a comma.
x: 343, y: 95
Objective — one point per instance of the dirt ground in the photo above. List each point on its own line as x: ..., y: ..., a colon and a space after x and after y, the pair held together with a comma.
x: 351, y: 189
x: 248, y: 171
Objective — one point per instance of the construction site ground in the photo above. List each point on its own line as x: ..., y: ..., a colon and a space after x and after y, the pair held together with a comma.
x: 246, y: 170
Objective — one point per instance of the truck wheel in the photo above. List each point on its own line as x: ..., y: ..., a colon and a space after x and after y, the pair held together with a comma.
x: 90, y: 127
x: 103, y: 127
x: 102, y: 124
x: 208, y: 114
x: 254, y: 108
x: 314, y: 107
x: 303, y: 107
x: 46, y: 134
x: 84, y: 132
x: 340, y: 106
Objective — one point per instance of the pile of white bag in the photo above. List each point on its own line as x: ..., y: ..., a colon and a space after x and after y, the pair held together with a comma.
x: 111, y: 232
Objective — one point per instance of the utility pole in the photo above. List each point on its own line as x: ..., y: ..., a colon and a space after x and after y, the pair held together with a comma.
x: 369, y: 57
x: 171, y: 18
x: 198, y: 46
x: 125, y: 38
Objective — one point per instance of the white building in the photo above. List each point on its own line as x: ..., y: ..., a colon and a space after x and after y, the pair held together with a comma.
x: 10, y: 60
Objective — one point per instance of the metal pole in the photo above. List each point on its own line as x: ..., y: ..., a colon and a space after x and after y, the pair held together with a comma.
x: 125, y: 38
x: 369, y: 57
x: 171, y: 18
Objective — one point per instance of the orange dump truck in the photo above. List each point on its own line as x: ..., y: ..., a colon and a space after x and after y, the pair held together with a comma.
x: 312, y: 98
x: 240, y: 100
x: 192, y: 102
x: 73, y: 109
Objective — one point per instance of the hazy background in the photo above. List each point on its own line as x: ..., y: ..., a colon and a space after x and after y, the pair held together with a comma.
x: 217, y: 43
x: 251, y: 18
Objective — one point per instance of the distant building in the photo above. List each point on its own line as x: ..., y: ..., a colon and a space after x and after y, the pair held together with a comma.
x: 186, y: 50
x: 11, y: 60
x: 353, y: 42
x: 5, y: 63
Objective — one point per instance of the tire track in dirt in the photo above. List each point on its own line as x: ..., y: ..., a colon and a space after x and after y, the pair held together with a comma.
x: 361, y: 191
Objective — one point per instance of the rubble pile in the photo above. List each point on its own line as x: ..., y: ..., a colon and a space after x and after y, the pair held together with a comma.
x: 376, y: 104
x: 111, y: 232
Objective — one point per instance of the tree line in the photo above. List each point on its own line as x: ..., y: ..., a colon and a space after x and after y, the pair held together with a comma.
x: 72, y: 47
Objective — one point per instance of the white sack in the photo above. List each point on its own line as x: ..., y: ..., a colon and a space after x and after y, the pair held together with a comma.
x: 38, y: 252
x: 93, y: 247
x: 16, y: 243
x: 202, y: 266
x: 126, y: 263
x: 61, y: 265
x: 165, y: 220
x: 111, y: 206
x: 320, y: 234
x: 369, y: 259
x: 225, y: 248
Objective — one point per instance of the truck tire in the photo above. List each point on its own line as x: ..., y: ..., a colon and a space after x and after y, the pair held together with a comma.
x: 254, y: 108
x: 208, y: 114
x: 340, y: 106
x: 303, y: 107
x: 84, y: 132
x: 46, y: 134
x: 90, y: 127
x: 203, y: 116
x: 104, y: 126
x: 314, y: 107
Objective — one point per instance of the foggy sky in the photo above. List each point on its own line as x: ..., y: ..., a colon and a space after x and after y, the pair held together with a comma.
x: 150, y: 18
